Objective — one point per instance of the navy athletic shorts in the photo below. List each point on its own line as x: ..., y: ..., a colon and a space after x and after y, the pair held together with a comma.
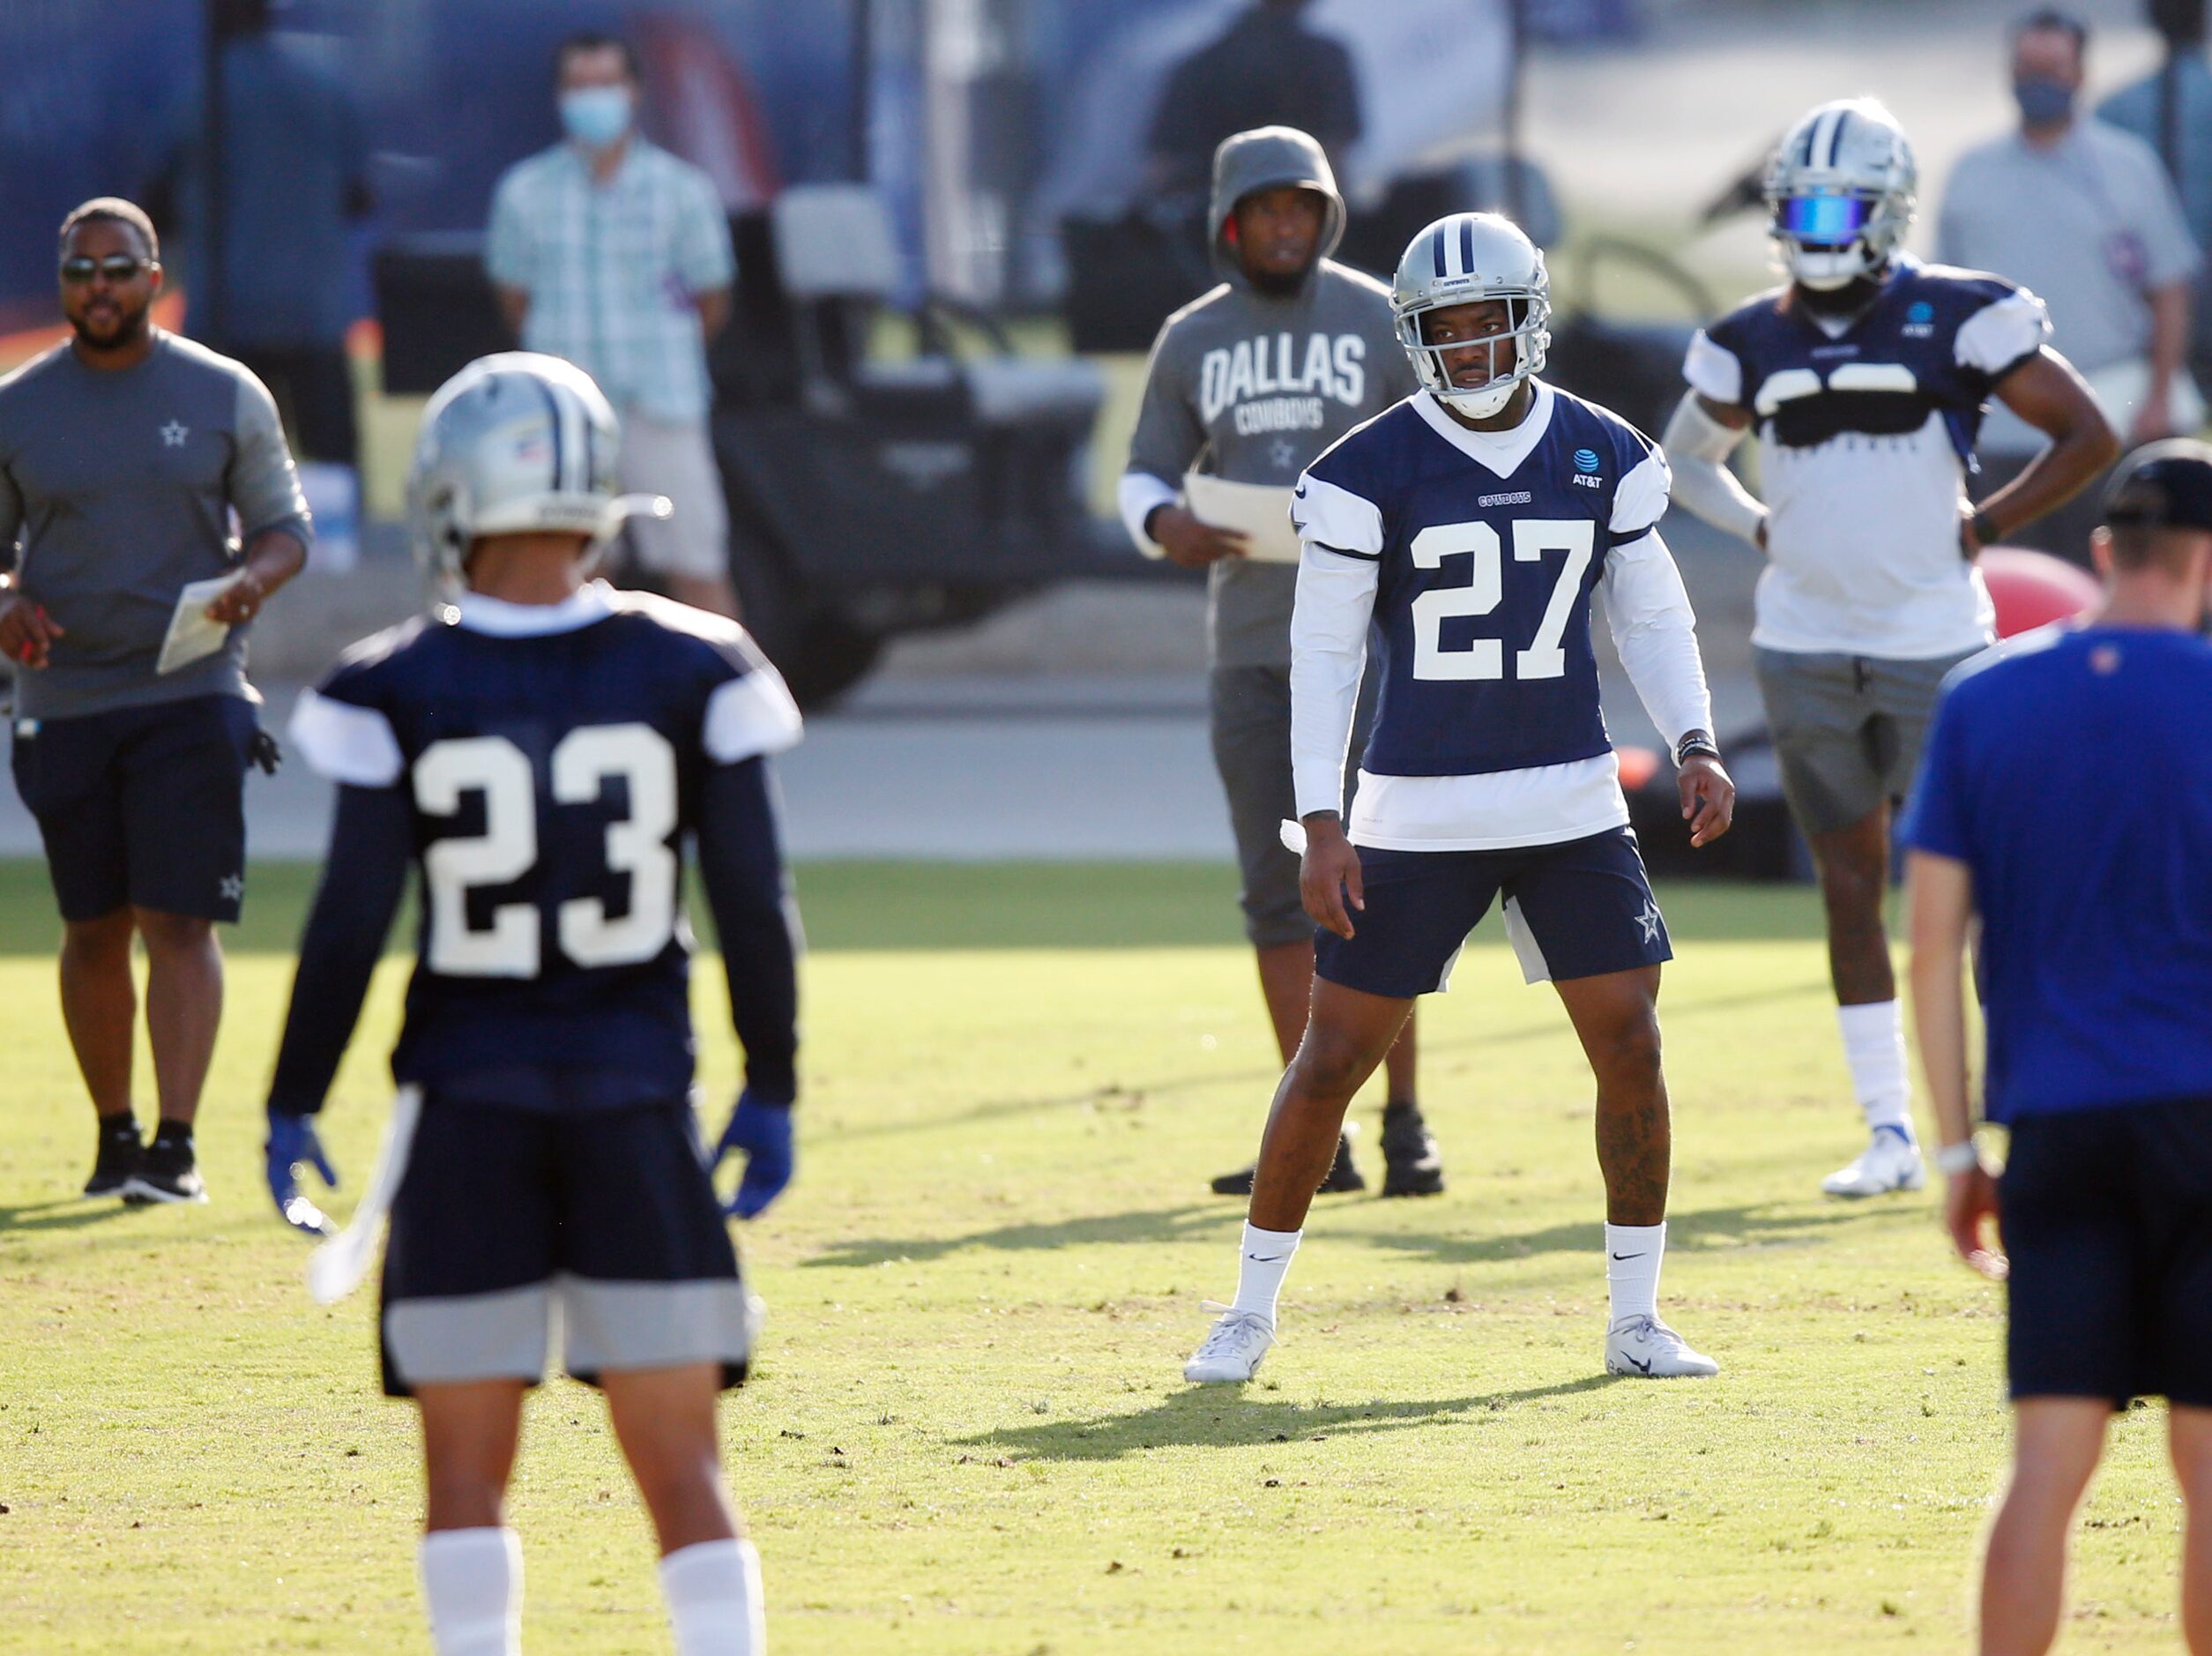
x: 505, y: 1216
x: 2107, y: 1219
x: 1576, y: 910
x: 144, y: 806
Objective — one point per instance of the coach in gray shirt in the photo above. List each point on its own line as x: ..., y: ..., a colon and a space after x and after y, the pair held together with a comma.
x: 124, y: 452
x: 1246, y: 384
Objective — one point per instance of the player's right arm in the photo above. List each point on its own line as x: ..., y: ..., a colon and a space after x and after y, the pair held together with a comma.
x: 1339, y: 567
x: 1168, y: 440
x: 1707, y: 425
x: 364, y: 878
x: 26, y: 632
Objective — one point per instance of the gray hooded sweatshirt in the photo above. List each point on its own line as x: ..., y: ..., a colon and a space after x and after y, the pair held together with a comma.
x: 1251, y: 387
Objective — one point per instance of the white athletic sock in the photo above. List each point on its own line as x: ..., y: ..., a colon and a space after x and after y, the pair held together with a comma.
x: 1633, y: 1253
x: 1264, y: 1261
x: 714, y: 1598
x: 1874, y: 1047
x: 473, y: 1581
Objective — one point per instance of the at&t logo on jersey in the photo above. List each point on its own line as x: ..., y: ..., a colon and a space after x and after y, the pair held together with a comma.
x: 1920, y: 321
x: 1586, y: 465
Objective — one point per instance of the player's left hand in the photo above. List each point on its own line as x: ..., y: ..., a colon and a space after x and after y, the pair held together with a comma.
x: 1709, y: 798
x: 761, y: 1131
x: 291, y: 1140
x: 241, y: 601
x: 1970, y: 1199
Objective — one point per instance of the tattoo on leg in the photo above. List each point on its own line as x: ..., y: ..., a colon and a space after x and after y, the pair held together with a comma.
x: 1635, y: 1147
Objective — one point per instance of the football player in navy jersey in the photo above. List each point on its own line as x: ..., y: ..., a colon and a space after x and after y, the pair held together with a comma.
x: 1470, y: 524
x: 541, y: 746
x: 1865, y: 377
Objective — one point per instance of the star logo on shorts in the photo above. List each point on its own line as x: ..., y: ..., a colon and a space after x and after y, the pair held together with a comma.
x: 1649, y: 921
x: 173, y: 435
x: 234, y: 887
x: 1285, y: 456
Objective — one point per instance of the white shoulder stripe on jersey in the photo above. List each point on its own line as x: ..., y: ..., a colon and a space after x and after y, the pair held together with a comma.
x: 1998, y: 335
x: 1336, y: 517
x: 751, y: 716
x: 349, y: 744
x: 1712, y: 372
x: 1640, y: 498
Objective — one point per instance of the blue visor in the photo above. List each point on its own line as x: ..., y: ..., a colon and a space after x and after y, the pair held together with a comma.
x: 1823, y: 220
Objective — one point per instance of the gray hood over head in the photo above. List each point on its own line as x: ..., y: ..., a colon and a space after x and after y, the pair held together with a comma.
x: 1267, y: 158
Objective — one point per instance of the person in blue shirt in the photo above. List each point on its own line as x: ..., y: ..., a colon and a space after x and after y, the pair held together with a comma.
x: 540, y: 747
x: 2065, y: 801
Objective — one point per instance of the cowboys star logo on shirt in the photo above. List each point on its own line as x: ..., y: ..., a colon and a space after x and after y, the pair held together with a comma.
x: 173, y: 435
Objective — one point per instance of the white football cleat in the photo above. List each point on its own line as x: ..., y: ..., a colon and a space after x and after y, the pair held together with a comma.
x: 1231, y: 1352
x: 1647, y: 1349
x: 1890, y: 1162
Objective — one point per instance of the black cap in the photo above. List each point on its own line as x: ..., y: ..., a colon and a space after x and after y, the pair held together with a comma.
x: 2163, y: 486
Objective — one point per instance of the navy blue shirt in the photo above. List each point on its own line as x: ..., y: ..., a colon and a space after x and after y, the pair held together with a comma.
x: 545, y: 780
x: 2071, y: 771
x: 1482, y: 598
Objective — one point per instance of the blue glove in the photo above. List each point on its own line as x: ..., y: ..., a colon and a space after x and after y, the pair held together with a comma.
x: 291, y: 1140
x: 761, y: 1129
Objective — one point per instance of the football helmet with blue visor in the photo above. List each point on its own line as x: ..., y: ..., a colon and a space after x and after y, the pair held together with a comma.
x: 1842, y: 193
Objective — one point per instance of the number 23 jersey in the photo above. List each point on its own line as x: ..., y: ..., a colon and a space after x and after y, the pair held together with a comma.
x: 553, y: 757
x: 1488, y: 545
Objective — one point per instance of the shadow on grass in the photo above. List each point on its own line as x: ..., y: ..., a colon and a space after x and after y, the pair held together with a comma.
x: 1216, y: 1417
x: 68, y: 1213
x: 1121, y: 1095
x: 1741, y: 1226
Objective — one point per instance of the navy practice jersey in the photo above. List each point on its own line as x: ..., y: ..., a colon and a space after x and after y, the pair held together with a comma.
x: 1489, y: 545
x: 552, y: 776
x: 1867, y: 428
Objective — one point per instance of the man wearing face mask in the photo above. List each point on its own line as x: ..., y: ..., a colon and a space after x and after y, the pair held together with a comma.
x: 1246, y: 385
x: 2084, y: 214
x: 609, y: 252
x: 1866, y: 378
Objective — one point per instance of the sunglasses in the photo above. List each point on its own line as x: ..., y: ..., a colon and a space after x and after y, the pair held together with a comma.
x: 1823, y: 220
x: 116, y: 267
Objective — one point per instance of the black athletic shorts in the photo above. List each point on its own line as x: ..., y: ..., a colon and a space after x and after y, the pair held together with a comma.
x: 510, y: 1224
x: 144, y: 806
x: 1580, y: 909
x: 2107, y: 1219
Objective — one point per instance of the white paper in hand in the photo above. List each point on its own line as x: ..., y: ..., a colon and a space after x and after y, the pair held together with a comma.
x: 336, y: 1267
x: 191, y: 634
x: 1262, y: 514
x: 1294, y: 836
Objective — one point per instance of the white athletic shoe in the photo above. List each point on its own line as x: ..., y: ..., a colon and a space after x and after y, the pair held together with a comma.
x: 1890, y: 1162
x: 1231, y: 1352
x: 1647, y: 1349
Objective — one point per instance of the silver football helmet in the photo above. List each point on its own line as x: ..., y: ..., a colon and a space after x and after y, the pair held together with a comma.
x: 1841, y: 190
x: 1463, y: 258
x: 513, y: 444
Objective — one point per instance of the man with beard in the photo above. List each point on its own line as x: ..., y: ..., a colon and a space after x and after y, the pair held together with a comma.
x: 1246, y: 383
x: 1866, y: 376
x: 123, y: 452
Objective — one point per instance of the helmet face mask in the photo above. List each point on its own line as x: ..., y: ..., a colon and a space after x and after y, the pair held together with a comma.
x: 1463, y: 260
x: 1841, y: 191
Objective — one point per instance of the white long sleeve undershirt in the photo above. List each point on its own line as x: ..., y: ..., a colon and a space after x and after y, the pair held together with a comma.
x: 1653, y: 627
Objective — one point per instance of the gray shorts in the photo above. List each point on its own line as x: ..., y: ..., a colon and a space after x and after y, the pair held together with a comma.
x: 1847, y: 729
x: 1252, y: 750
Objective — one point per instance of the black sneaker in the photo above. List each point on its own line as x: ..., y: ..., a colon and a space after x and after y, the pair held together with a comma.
x: 1411, y: 1163
x: 1343, y: 1179
x: 119, y: 1151
x: 168, y: 1172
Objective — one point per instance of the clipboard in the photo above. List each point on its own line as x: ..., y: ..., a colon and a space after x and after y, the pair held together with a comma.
x: 1258, y: 512
x: 192, y: 636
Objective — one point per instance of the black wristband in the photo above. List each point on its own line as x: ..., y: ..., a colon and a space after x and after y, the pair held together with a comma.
x: 1984, y: 531
x: 1695, y: 741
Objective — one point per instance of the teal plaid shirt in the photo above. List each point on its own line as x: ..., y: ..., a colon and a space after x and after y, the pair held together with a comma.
x: 612, y: 269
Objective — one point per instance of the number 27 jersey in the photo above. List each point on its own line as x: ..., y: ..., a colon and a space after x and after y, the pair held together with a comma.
x: 552, y: 758
x: 1488, y: 546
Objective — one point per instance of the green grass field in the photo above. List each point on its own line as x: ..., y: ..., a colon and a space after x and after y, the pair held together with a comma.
x: 969, y: 1431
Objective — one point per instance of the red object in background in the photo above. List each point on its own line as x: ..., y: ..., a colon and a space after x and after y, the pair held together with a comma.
x: 703, y: 106
x: 1638, y: 767
x: 2033, y: 589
